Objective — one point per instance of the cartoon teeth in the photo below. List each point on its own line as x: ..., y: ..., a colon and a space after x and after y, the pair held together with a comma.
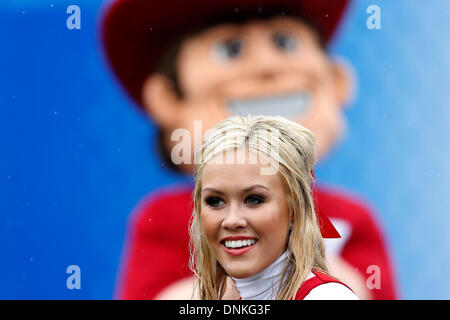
x: 286, y: 105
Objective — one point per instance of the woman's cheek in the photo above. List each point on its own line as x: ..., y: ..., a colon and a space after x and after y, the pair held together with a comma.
x: 271, y: 217
x: 211, y: 226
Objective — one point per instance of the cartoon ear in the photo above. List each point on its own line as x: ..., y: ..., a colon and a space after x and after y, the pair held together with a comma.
x: 160, y: 101
x: 344, y: 82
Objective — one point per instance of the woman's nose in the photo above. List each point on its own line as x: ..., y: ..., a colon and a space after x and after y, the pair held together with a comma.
x: 234, y: 219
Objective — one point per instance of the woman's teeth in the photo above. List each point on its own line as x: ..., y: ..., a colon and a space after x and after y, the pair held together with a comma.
x: 239, y: 243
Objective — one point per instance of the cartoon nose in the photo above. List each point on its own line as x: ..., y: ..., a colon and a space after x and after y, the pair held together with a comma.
x: 234, y: 219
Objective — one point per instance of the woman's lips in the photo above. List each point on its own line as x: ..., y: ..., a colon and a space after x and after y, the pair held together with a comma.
x: 238, y: 251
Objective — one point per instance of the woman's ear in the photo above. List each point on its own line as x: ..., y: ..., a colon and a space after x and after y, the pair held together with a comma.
x: 344, y: 75
x: 160, y: 101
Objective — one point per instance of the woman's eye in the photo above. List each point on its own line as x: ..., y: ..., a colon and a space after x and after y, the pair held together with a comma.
x: 284, y: 41
x: 214, y: 202
x: 228, y: 49
x: 254, y: 200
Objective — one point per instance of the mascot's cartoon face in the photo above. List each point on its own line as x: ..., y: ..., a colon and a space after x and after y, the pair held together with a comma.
x: 274, y: 67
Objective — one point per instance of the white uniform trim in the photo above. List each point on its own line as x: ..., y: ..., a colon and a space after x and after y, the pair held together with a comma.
x: 331, y: 291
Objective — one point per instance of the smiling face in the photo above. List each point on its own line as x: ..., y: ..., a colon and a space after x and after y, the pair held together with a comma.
x: 269, y: 58
x: 272, y: 67
x: 244, y: 215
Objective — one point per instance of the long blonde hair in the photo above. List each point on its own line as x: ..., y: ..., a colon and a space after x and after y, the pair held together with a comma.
x: 290, y: 146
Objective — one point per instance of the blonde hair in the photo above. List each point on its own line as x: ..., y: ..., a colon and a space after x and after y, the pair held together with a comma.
x: 290, y: 146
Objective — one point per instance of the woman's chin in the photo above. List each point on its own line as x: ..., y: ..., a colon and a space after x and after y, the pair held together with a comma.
x: 240, y: 272
x: 241, y: 275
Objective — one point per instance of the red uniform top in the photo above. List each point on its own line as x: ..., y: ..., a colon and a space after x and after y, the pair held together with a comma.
x: 318, y: 279
x: 313, y: 282
x: 157, y: 250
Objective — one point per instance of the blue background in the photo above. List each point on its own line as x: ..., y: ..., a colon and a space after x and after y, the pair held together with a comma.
x: 76, y: 156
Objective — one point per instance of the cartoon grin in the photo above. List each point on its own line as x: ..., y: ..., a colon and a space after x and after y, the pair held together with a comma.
x: 286, y: 105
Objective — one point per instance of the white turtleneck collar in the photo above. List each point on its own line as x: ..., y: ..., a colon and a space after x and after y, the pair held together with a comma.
x: 264, y: 285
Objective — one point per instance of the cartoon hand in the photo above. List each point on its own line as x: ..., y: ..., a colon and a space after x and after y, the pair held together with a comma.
x: 350, y: 276
x: 183, y: 289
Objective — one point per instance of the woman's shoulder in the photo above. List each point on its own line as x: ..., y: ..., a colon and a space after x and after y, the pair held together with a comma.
x: 321, y: 286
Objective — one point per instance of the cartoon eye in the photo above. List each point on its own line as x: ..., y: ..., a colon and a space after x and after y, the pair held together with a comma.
x: 228, y: 49
x: 284, y: 41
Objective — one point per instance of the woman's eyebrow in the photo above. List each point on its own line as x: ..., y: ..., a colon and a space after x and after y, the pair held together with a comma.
x: 254, y: 187
x: 213, y: 190
x: 245, y: 190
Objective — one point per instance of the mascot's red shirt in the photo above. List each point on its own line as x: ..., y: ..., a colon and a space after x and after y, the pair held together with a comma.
x: 157, y: 252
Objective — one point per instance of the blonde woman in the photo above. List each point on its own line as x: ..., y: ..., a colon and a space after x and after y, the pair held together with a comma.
x: 253, y: 219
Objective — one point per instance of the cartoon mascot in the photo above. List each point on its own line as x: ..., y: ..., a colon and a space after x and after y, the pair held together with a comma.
x: 198, y: 62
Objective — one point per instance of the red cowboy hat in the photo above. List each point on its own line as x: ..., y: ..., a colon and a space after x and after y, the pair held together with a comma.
x: 134, y: 32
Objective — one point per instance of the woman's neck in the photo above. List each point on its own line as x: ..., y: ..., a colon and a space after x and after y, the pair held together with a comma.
x: 264, y: 285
